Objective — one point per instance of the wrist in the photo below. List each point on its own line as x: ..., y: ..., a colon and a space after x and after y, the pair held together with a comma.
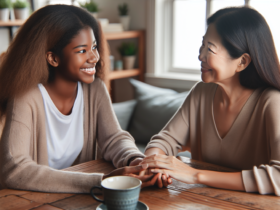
x: 198, y: 176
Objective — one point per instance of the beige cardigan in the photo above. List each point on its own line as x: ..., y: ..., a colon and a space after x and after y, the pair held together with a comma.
x: 253, y: 139
x: 23, y: 146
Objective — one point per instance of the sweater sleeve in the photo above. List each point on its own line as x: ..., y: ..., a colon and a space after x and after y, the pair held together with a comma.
x: 265, y: 179
x: 176, y: 132
x: 115, y: 144
x: 19, y: 170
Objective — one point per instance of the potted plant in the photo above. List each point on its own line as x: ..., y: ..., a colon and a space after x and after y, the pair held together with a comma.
x: 4, y: 10
x: 92, y: 7
x: 124, y: 18
x: 21, y: 8
x: 128, y: 52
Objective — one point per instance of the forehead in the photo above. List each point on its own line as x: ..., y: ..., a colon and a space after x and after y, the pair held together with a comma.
x: 212, y: 35
x: 84, y: 36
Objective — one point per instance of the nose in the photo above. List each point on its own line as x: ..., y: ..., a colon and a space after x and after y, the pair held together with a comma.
x: 202, y: 54
x: 93, y: 56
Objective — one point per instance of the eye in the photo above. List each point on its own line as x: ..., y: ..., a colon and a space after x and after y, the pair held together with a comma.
x: 94, y: 47
x: 210, y: 50
x: 82, y: 51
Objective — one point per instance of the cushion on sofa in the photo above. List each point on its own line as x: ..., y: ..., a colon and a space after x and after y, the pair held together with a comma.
x: 124, y: 111
x: 155, y: 107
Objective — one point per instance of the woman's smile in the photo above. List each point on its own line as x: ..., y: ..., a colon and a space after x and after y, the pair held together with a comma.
x: 204, y: 69
x: 90, y: 71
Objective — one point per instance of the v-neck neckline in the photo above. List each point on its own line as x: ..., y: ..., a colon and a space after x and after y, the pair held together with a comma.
x: 250, y: 98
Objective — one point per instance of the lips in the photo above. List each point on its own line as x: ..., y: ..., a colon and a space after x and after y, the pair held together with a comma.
x: 204, y: 69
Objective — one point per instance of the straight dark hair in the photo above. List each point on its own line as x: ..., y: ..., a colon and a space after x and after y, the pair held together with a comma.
x: 244, y: 30
x: 50, y: 28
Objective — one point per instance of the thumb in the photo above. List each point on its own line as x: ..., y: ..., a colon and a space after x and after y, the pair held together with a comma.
x: 135, y: 169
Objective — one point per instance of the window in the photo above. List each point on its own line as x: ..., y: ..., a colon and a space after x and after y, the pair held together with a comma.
x: 188, y: 25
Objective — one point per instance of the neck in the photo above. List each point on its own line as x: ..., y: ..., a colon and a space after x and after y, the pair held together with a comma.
x: 62, y: 89
x: 231, y: 91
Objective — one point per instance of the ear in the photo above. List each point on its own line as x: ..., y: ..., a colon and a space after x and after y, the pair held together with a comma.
x: 52, y: 59
x: 245, y: 60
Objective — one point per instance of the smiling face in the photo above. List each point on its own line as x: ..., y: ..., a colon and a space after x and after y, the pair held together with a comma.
x: 216, y: 63
x: 79, y: 58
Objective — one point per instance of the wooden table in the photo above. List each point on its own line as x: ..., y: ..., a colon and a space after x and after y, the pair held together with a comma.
x: 176, y: 196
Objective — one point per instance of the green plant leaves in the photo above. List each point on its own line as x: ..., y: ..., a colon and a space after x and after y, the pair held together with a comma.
x: 127, y: 49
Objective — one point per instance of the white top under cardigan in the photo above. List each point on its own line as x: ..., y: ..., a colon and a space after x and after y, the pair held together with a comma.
x: 65, y: 133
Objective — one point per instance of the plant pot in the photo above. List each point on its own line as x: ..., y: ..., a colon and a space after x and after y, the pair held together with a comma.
x: 125, y: 20
x: 21, y: 14
x: 95, y: 15
x: 4, y: 14
x: 129, y: 61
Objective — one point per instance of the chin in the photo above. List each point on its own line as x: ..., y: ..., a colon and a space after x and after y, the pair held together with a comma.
x: 205, y: 79
x: 88, y: 80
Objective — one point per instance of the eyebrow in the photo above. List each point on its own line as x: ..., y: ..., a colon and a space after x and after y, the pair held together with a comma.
x: 94, y: 42
x: 210, y: 42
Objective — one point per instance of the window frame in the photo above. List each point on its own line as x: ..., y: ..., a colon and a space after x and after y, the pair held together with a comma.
x: 160, y: 50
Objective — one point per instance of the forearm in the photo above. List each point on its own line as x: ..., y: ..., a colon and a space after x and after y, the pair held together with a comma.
x: 224, y: 180
x: 153, y: 151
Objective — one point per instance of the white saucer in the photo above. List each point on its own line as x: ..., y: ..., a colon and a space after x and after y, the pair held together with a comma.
x: 140, y: 206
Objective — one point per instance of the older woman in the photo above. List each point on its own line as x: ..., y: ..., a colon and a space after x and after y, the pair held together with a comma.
x: 232, y: 118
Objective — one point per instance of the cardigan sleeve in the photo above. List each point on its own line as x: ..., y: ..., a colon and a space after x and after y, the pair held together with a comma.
x: 265, y: 179
x: 176, y: 132
x: 115, y: 144
x: 19, y: 170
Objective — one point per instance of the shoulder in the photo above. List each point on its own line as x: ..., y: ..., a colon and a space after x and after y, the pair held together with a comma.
x: 26, y: 107
x: 269, y: 98
x: 31, y: 98
x: 203, y: 90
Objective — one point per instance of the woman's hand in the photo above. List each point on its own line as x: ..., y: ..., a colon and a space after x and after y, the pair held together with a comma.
x: 170, y: 166
x: 147, y: 180
x: 136, y: 161
x: 161, y: 181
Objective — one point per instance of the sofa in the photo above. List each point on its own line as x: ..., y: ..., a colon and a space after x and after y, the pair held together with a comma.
x: 149, y: 112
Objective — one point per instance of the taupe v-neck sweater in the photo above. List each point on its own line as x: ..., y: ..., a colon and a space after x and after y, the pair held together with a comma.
x: 253, y: 139
x: 23, y: 146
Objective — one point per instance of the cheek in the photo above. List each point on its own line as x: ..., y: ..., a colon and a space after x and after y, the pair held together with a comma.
x: 97, y: 55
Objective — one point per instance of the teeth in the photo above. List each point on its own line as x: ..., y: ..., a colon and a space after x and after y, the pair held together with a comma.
x: 88, y: 69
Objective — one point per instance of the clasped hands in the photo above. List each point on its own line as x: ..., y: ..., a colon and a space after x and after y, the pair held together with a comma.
x: 158, y: 169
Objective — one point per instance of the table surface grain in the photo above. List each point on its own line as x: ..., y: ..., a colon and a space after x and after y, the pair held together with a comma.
x: 176, y: 196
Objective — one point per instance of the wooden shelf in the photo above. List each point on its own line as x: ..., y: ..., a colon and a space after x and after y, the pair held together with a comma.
x: 124, y: 74
x: 123, y: 35
x: 11, y: 23
x: 112, y: 75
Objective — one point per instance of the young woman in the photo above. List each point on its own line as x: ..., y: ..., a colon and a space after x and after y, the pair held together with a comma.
x: 232, y: 118
x: 58, y: 111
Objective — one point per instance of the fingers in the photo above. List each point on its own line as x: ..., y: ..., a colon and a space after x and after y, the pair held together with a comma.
x: 135, y: 169
x: 158, y: 164
x: 151, y: 182
x: 142, y: 173
x: 159, y: 181
x: 144, y: 178
x: 164, y: 180
x: 169, y: 180
x: 136, y: 162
